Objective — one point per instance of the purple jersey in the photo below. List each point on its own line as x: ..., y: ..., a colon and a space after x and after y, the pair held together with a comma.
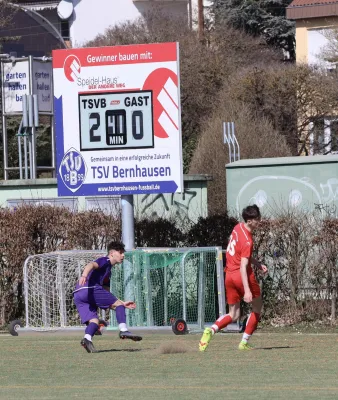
x: 97, y: 277
x: 101, y: 274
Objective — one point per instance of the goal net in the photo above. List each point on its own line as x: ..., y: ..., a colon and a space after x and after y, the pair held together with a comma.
x: 166, y: 284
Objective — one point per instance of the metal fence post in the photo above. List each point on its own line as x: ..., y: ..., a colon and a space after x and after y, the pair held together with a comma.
x: 201, y: 291
x: 165, y: 291
x: 25, y: 283
x: 45, y: 305
x: 220, y: 281
x: 148, y: 292
x: 184, y: 288
x: 138, y: 288
x: 61, y: 292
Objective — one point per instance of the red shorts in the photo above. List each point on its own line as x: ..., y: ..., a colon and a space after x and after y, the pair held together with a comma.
x: 235, y: 289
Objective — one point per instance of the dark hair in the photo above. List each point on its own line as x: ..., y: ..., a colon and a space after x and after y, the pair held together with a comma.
x: 251, y: 212
x: 118, y: 246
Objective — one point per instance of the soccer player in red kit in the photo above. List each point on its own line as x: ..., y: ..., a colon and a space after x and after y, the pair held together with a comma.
x: 240, y: 281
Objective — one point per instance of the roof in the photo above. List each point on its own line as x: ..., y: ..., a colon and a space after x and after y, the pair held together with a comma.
x: 37, y: 2
x: 270, y: 162
x: 305, y: 9
x: 304, y: 3
x: 38, y: 5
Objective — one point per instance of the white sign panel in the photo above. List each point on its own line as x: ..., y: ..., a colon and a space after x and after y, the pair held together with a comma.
x: 15, y: 78
x: 17, y: 82
x: 118, y: 120
x: 42, y: 75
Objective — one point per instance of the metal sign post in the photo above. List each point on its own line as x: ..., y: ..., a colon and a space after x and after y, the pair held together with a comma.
x: 27, y: 132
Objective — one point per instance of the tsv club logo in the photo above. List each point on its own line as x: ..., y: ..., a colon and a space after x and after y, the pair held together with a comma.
x: 73, y: 170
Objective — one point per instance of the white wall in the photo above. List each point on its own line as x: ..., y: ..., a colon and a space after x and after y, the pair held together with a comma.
x: 92, y: 17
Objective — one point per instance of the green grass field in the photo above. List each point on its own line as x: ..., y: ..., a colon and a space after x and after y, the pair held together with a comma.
x: 283, y: 366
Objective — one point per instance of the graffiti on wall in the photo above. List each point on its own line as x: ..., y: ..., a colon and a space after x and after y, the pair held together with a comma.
x: 183, y: 207
x: 269, y: 191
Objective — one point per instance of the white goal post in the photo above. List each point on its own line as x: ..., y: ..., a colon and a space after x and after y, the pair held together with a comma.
x: 165, y: 283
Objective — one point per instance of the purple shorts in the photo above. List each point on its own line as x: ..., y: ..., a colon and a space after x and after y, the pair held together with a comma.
x: 88, y: 300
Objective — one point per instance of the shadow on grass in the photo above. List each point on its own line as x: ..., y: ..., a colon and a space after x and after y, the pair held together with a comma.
x: 275, y: 347
x: 126, y: 350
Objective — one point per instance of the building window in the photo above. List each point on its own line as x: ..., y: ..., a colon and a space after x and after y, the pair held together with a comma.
x: 324, y: 136
x: 334, y: 136
x: 317, y: 140
x: 65, y: 30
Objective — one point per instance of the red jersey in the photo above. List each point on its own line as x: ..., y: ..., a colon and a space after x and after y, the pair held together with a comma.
x: 240, y: 246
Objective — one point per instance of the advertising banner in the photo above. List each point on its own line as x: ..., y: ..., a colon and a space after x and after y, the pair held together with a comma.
x: 118, y: 120
x: 16, y: 82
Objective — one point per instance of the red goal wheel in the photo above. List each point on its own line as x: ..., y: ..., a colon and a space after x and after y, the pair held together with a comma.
x: 14, y: 326
x: 180, y: 327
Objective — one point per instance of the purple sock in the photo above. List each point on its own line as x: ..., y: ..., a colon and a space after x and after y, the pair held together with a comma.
x: 121, y: 314
x: 91, y: 329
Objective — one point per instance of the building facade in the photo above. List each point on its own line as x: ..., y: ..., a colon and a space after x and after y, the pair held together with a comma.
x: 313, y: 18
x: 316, y: 21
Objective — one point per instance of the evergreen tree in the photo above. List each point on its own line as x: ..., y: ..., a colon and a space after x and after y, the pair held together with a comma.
x: 265, y: 18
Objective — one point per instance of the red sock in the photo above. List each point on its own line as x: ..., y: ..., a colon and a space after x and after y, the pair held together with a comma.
x: 221, y: 323
x: 252, y: 323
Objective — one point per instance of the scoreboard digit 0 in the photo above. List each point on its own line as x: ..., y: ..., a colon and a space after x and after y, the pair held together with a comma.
x: 116, y: 120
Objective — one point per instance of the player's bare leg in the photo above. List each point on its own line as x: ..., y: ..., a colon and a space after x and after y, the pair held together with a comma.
x: 251, y: 324
x: 86, y: 342
x: 120, y: 310
x: 221, y: 323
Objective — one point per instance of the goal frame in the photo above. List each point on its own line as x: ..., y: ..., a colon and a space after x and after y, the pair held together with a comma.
x: 183, y: 251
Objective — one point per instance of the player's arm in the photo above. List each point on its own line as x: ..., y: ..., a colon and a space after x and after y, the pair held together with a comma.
x: 259, y: 265
x: 244, y: 276
x: 89, y: 267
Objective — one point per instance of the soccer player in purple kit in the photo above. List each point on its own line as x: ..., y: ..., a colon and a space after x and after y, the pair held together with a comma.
x: 90, y: 294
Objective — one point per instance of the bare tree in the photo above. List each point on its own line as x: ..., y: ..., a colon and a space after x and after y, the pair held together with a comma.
x: 203, y: 65
x: 295, y: 99
x: 257, y: 139
x: 329, y: 52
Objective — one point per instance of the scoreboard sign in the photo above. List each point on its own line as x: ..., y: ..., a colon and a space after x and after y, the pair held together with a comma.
x: 118, y: 120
